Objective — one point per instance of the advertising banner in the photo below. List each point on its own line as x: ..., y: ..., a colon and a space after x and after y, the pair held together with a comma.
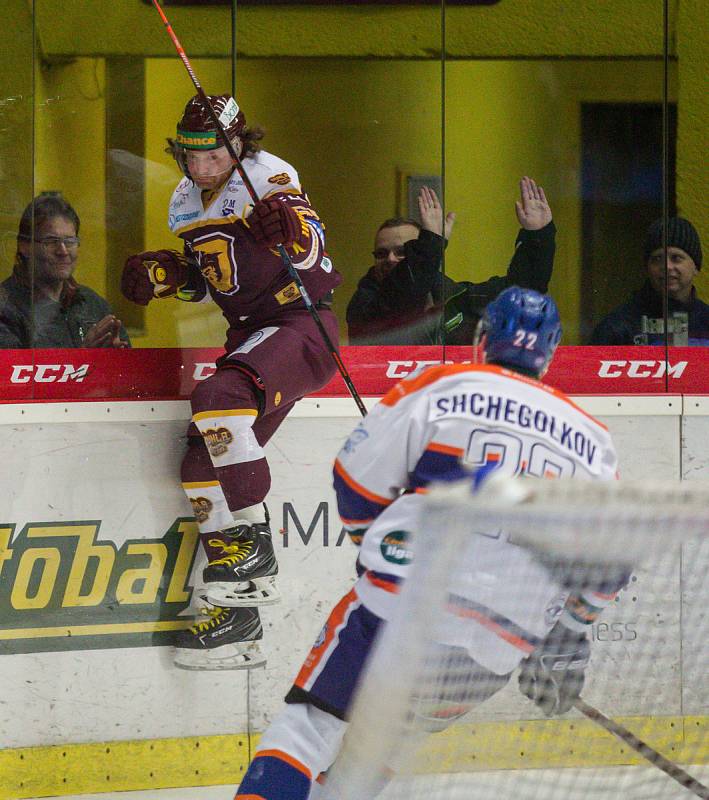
x: 155, y: 374
x: 100, y: 565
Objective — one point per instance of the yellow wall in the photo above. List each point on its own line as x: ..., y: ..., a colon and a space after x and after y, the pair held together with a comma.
x: 71, y: 154
x: 346, y: 139
x: 693, y: 123
x: 16, y: 115
x: 521, y: 28
x: 512, y: 118
x: 504, y: 119
x: 351, y: 125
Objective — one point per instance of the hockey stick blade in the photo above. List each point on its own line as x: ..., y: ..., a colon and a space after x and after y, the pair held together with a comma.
x: 647, y: 752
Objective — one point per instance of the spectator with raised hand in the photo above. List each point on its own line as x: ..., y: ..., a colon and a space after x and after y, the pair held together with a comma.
x: 41, y: 303
x: 405, y: 298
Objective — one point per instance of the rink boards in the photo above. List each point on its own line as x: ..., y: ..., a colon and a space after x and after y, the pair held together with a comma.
x: 98, y: 561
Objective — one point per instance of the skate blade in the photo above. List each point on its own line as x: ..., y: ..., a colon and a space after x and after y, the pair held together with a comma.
x: 263, y: 592
x: 225, y: 657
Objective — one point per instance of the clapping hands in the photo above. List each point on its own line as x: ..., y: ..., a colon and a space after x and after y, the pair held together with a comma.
x: 105, y: 333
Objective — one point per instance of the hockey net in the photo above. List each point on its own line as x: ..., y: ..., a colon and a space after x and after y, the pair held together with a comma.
x: 649, y: 665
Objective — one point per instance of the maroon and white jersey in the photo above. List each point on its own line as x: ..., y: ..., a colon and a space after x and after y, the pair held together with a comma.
x: 249, y: 282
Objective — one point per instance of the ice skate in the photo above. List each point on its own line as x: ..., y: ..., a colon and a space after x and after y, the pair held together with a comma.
x: 225, y: 638
x: 243, y: 574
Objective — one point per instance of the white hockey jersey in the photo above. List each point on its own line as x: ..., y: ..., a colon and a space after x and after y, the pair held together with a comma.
x: 444, y: 423
x: 268, y: 174
x: 247, y: 280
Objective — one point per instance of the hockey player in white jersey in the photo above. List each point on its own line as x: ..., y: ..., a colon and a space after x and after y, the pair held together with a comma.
x: 448, y: 422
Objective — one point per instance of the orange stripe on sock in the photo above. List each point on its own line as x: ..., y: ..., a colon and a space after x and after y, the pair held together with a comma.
x: 498, y: 630
x: 388, y: 586
x: 281, y: 756
x: 333, y: 624
x: 358, y: 523
x: 602, y: 596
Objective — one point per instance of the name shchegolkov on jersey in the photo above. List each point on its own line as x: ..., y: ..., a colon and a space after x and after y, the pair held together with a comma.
x: 496, y: 408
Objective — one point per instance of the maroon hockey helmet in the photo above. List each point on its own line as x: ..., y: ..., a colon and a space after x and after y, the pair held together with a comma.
x: 196, y: 130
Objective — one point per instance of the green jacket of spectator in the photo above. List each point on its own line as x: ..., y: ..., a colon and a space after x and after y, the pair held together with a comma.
x: 30, y: 319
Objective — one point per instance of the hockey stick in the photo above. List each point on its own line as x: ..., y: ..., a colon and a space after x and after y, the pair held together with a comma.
x: 647, y: 752
x: 250, y: 188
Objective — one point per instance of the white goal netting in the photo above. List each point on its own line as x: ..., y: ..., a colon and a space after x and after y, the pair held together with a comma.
x: 429, y: 722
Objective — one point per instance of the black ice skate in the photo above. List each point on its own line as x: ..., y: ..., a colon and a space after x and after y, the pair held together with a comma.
x: 245, y: 573
x: 227, y: 638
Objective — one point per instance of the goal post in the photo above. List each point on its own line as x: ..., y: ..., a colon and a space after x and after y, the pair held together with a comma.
x: 428, y: 722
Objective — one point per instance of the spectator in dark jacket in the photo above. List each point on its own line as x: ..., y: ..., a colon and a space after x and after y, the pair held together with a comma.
x: 640, y: 320
x: 406, y: 299
x: 41, y: 304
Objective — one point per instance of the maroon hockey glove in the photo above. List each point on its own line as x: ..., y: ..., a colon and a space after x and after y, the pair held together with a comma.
x: 158, y: 273
x: 273, y: 222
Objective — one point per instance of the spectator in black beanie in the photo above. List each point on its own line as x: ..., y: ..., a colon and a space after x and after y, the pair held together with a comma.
x: 640, y: 319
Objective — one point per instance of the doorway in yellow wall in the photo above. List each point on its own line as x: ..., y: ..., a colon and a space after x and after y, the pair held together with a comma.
x: 621, y: 195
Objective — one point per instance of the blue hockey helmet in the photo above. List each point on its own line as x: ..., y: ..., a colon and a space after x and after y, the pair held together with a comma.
x: 522, y: 330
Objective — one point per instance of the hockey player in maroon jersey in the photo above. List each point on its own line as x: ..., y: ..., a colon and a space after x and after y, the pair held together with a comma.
x: 274, y: 355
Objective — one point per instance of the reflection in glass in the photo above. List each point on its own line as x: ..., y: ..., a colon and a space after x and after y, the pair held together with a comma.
x: 510, y: 118
x: 362, y: 121
x: 672, y: 255
x: 41, y: 303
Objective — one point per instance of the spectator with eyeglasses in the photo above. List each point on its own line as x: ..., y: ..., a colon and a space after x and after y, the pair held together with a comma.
x: 405, y: 298
x: 41, y: 304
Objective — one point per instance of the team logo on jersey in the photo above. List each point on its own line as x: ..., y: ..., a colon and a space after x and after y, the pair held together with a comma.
x: 201, y: 507
x: 228, y: 207
x: 553, y: 611
x: 359, y: 434
x: 282, y: 179
x: 321, y: 637
x: 394, y: 549
x: 186, y: 217
x: 288, y: 294
x: 230, y: 112
x: 217, y: 440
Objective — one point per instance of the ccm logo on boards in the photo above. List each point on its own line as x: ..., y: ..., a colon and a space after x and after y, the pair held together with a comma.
x: 48, y: 373
x: 641, y: 369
